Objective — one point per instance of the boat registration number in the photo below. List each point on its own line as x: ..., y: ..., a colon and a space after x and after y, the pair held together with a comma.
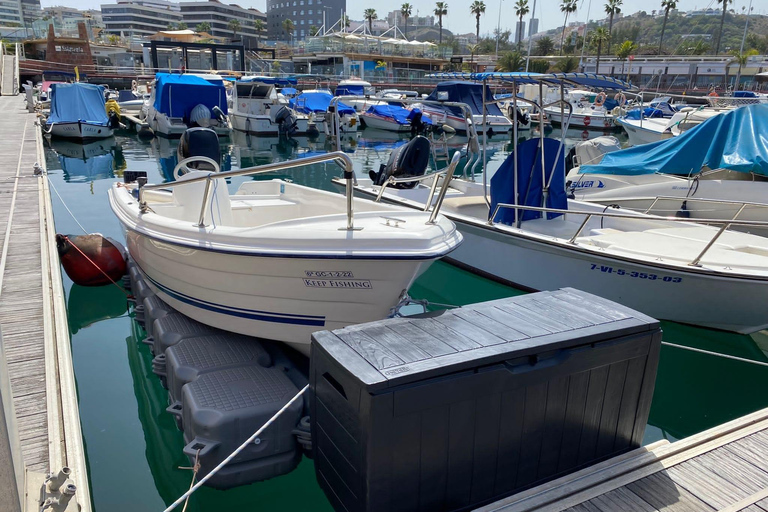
x: 634, y: 274
x: 338, y: 274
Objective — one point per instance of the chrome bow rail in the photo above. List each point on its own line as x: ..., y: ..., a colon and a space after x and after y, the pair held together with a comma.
x: 342, y: 159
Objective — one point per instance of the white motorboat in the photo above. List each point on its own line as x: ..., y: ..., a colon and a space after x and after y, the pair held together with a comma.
x: 523, y: 230
x: 717, y: 170
x: 471, y: 94
x: 645, y: 130
x: 275, y: 259
x: 363, y: 91
x: 78, y: 111
x: 588, y: 110
x: 181, y: 101
x: 393, y: 118
x: 319, y: 105
x: 257, y: 108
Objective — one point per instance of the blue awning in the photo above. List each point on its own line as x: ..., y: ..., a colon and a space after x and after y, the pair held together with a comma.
x: 736, y: 141
x: 77, y: 102
x: 176, y: 95
x: 469, y: 93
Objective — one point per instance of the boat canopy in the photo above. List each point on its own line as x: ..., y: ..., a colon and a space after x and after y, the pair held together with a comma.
x: 399, y: 114
x: 528, y: 188
x: 579, y: 79
x: 77, y: 102
x: 469, y: 93
x: 317, y: 101
x: 349, y: 88
x: 736, y: 141
x: 176, y: 95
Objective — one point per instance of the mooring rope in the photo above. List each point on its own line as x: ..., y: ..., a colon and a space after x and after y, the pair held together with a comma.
x: 67, y: 207
x: 717, y: 354
x: 97, y: 267
x: 234, y: 454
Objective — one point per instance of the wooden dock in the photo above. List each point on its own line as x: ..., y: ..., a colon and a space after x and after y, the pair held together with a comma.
x: 35, y: 336
x: 722, y: 469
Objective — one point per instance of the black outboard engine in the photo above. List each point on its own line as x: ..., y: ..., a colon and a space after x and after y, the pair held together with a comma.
x: 285, y: 120
x: 199, y: 142
x: 219, y: 114
x: 407, y: 161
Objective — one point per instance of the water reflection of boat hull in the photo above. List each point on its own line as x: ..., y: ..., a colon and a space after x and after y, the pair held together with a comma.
x: 85, y: 162
x: 79, y: 130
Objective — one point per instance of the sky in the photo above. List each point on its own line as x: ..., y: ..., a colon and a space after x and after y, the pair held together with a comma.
x: 460, y: 20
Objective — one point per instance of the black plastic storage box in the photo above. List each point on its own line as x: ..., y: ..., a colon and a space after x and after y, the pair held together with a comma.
x: 452, y: 411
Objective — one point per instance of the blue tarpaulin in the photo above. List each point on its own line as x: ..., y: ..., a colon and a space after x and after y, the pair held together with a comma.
x: 399, y: 114
x: 350, y: 90
x: 317, y: 101
x: 177, y: 95
x: 71, y: 103
x: 470, y: 93
x: 530, y: 182
x: 736, y: 141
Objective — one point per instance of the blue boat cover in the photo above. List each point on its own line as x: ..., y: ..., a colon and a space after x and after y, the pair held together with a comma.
x: 317, y: 101
x: 176, y: 95
x: 350, y: 90
x: 270, y: 80
x: 470, y: 93
x: 87, y: 169
x: 289, y: 91
x: 529, y: 181
x: 399, y: 114
x: 737, y: 141
x: 77, y: 102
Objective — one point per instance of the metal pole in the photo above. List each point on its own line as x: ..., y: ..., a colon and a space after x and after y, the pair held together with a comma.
x: 485, y: 143
x: 514, y: 131
x: 498, y: 30
x: 530, y: 42
x: 584, y: 41
x: 541, y: 138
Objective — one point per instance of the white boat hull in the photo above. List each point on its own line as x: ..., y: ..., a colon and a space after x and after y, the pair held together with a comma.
x: 382, y: 123
x: 263, y: 125
x: 79, y: 130
x: 494, y: 124
x: 595, y: 120
x: 174, y: 127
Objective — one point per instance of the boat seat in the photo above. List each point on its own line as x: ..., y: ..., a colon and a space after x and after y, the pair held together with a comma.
x: 473, y: 206
x: 189, y: 199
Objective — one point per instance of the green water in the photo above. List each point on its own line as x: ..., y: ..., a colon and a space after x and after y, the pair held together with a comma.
x: 133, y: 446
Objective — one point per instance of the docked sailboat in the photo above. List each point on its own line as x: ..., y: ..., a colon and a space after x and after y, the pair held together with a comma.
x: 716, y: 170
x: 521, y: 228
x: 78, y: 111
x: 178, y: 102
x: 275, y: 259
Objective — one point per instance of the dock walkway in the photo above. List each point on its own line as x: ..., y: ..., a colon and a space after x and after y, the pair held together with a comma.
x: 33, y: 324
x: 722, y: 469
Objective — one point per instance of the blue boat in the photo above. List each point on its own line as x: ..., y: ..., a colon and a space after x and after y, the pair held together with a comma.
x: 471, y: 94
x: 78, y: 111
x: 392, y: 118
x: 315, y: 103
x: 179, y: 102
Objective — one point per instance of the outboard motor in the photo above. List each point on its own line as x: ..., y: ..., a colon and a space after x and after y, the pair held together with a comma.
x: 199, y: 142
x: 407, y: 161
x: 200, y: 116
x: 285, y: 120
x: 218, y: 114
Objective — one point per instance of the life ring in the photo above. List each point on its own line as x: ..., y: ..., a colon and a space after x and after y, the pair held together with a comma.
x: 600, y: 99
x: 621, y: 98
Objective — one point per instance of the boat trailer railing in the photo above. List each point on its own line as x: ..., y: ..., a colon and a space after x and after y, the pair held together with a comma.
x: 447, y: 175
x: 341, y: 159
x: 723, y: 223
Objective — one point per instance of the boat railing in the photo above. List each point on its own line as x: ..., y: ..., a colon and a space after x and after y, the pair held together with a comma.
x: 723, y: 224
x: 742, y: 205
x: 338, y: 157
x: 446, y: 174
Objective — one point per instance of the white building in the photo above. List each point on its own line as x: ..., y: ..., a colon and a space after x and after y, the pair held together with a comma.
x: 139, y: 17
x: 10, y: 13
x: 219, y: 14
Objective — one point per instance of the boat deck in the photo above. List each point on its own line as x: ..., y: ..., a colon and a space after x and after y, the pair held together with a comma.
x: 722, y: 469
x: 35, y: 337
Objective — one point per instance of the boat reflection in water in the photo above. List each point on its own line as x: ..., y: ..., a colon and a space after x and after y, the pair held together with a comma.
x: 85, y: 162
x: 87, y: 305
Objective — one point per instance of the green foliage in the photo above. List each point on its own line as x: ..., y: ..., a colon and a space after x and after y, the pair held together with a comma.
x: 626, y: 49
x: 258, y: 25
x: 441, y: 9
x: 182, y: 26
x: 511, y: 61
x: 276, y: 66
x: 234, y: 26
x: 567, y: 65
x: 289, y: 26
x: 567, y: 7
x: 477, y: 8
x: 521, y: 9
x: 544, y: 46
x: 405, y: 11
x: 369, y: 15
x: 203, y: 27
x: 313, y: 30
x: 538, y: 66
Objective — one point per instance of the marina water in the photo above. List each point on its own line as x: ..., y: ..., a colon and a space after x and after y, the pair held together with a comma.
x: 134, y: 449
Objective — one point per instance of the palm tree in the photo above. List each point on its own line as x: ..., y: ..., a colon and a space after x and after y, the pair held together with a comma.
x: 741, y: 58
x: 441, y: 9
x: 521, y: 9
x: 405, y: 11
x: 722, y: 20
x: 258, y: 25
x: 566, y: 6
x: 511, y: 61
x: 472, y: 50
x: 289, y: 27
x: 477, y: 8
x: 599, y: 36
x: 668, y: 5
x: 567, y: 65
x: 234, y: 26
x: 612, y: 7
x: 370, y: 15
x: 624, y: 51
x: 544, y: 46
x: 203, y: 27
x: 182, y: 26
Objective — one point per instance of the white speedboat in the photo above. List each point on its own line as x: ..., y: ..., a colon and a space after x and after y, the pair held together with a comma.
x: 178, y: 102
x: 644, y: 130
x: 588, y: 110
x: 275, y: 259
x: 360, y: 88
x: 257, y: 108
x: 78, y: 111
x: 716, y: 170
x: 471, y: 94
x: 319, y: 104
x: 672, y: 269
x: 392, y: 118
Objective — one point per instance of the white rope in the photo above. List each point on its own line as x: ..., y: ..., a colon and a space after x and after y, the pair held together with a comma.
x: 235, y: 453
x: 67, y: 207
x: 718, y: 354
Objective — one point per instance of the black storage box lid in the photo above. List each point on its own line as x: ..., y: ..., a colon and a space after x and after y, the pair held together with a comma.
x: 398, y: 351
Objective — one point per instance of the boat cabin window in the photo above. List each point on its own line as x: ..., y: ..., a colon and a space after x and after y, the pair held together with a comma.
x: 253, y: 90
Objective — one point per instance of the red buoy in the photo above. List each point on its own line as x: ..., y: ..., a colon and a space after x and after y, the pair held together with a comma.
x: 91, y: 260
